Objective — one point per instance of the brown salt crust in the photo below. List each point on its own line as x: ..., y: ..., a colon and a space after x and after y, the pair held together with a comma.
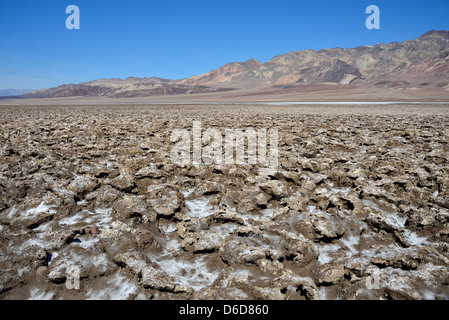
x: 359, y: 190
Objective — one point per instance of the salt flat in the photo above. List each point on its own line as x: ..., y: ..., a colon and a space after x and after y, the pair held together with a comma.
x: 361, y: 191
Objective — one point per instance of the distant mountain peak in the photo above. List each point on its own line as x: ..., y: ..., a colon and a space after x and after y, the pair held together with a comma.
x: 251, y: 63
x: 442, y: 33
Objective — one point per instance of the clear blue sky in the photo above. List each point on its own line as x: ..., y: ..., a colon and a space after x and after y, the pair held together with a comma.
x: 178, y: 39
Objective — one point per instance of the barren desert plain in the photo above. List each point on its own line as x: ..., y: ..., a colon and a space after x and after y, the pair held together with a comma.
x: 358, y: 207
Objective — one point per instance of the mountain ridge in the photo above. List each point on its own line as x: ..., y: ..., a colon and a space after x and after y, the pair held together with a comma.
x: 409, y: 65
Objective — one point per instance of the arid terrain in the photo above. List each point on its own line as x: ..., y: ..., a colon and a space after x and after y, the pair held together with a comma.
x: 358, y: 208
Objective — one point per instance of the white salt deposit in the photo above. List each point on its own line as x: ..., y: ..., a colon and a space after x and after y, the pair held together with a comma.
x: 198, y: 208
x: 171, y: 246
x: 371, y: 204
x: 428, y: 295
x: 118, y: 287
x: 327, y: 252
x: 32, y: 242
x: 188, y: 192
x: 39, y: 209
x: 393, y: 218
x: 167, y: 226
x: 396, y: 220
x: 351, y: 242
x: 33, y: 212
x: 322, y: 293
x: 263, y: 215
x: 194, y: 274
x: 223, y: 230
x: 40, y: 294
x: 315, y: 210
x: 109, y: 164
x: 101, y: 217
x: 343, y: 191
x: 87, y: 243
x: 12, y: 212
x: 337, y: 190
x: 44, y: 226
x: 77, y: 218
x: 413, y: 238
x: 23, y: 270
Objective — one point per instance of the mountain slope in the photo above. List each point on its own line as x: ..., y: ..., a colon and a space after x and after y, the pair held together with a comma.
x: 412, y: 64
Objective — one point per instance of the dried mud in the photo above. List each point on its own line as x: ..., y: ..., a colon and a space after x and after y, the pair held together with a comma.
x: 358, y: 209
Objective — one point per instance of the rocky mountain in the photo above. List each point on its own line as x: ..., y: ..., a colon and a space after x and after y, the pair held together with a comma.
x: 413, y: 64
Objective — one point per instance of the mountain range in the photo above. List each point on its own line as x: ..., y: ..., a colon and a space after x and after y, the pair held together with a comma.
x: 418, y: 64
x: 13, y: 92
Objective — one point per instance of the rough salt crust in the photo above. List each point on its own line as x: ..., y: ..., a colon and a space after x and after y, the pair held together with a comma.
x: 361, y: 191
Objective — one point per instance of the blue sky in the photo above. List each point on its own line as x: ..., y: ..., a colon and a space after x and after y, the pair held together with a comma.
x: 178, y: 39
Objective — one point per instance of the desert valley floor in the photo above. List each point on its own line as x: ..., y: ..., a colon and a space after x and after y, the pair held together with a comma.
x: 358, y: 208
